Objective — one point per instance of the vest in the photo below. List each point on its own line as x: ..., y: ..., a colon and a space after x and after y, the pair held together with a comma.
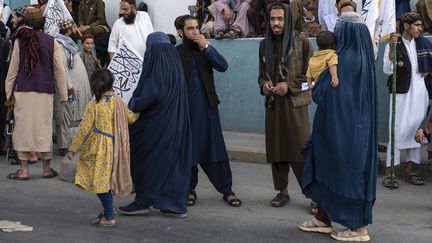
x: 42, y: 77
x: 403, y: 70
x: 205, y: 69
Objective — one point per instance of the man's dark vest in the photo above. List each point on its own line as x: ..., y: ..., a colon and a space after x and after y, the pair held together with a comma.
x: 403, y: 71
x: 42, y: 78
x: 205, y: 69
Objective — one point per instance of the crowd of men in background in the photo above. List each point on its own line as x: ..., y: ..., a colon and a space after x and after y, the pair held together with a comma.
x: 248, y: 18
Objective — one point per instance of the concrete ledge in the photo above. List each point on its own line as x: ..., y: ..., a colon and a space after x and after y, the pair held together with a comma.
x: 250, y: 147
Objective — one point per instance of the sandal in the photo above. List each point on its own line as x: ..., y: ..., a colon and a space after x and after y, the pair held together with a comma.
x: 350, y: 235
x: 387, y: 182
x: 192, y: 197
x: 16, y: 176
x: 314, y: 225
x: 219, y: 35
x: 232, y: 34
x: 233, y: 201
x: 98, y: 222
x: 280, y: 200
x: 98, y: 218
x: 52, y: 174
x: 313, y: 208
x: 414, y: 179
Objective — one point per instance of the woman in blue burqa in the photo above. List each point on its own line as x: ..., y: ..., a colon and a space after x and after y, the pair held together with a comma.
x: 341, y: 154
x: 160, y: 139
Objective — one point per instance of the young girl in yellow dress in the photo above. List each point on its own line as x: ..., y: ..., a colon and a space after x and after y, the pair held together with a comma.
x: 104, y: 164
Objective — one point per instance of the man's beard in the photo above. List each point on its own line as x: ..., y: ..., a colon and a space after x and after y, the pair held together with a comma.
x: 189, y: 42
x: 130, y: 18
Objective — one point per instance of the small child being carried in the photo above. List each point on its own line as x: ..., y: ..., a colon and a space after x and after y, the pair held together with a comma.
x: 325, y: 58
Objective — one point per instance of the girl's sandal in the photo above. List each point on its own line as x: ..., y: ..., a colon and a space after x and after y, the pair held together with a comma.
x: 103, y: 222
x: 98, y: 218
x: 350, y: 235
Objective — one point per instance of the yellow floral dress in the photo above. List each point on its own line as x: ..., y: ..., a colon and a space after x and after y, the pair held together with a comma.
x: 95, y: 163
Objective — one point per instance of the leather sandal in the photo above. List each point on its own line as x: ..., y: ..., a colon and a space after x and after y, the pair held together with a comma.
x: 192, y: 197
x: 52, y: 174
x: 16, y: 176
x: 280, y: 200
x: 233, y: 201
x: 414, y: 179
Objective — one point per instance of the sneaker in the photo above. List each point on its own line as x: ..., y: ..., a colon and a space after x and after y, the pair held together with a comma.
x: 134, y: 209
x: 173, y: 214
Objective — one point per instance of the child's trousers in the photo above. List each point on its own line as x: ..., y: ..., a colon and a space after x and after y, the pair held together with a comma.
x: 107, y: 203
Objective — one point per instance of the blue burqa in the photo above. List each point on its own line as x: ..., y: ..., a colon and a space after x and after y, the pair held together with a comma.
x: 341, y: 154
x: 160, y: 139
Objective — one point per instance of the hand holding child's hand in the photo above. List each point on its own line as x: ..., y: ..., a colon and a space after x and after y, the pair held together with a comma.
x: 335, y: 81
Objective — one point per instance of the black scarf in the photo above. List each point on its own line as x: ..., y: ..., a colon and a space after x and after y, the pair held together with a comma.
x: 271, y: 58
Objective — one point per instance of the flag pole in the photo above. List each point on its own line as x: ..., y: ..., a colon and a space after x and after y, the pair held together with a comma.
x: 393, y: 114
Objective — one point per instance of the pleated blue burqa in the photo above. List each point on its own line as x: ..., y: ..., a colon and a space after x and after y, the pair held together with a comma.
x: 341, y: 154
x: 160, y: 139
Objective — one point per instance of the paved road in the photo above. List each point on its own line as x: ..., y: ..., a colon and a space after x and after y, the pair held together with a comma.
x: 60, y: 212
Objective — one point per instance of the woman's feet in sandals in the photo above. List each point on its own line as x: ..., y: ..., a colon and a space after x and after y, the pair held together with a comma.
x: 414, y: 179
x: 387, y: 182
x: 359, y: 235
x: 192, y: 197
x: 314, y: 225
x: 232, y: 199
x: 280, y: 200
x: 18, y: 175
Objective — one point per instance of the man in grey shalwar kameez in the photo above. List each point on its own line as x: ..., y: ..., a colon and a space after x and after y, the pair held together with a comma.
x: 78, y: 87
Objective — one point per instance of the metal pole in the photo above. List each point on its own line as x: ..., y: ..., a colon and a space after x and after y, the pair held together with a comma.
x: 393, y: 115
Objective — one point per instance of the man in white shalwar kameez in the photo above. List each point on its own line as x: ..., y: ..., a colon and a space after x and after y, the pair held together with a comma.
x: 330, y: 14
x: 134, y: 26
x: 411, y: 106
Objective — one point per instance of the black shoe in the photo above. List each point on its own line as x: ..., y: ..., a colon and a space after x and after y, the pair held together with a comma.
x: 134, y: 209
x: 173, y: 214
